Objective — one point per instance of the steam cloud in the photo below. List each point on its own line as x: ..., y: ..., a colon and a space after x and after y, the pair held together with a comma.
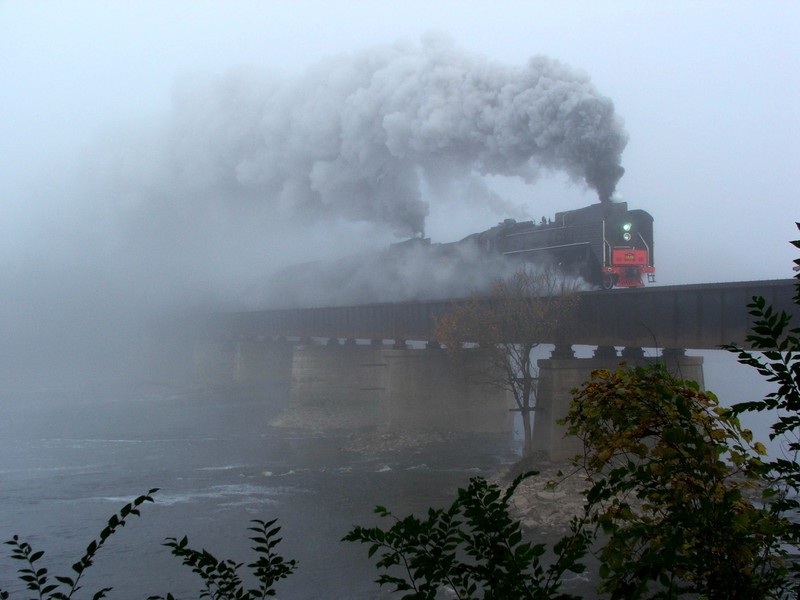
x: 251, y: 173
x: 356, y: 136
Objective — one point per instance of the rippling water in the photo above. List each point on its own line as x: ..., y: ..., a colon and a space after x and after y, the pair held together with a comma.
x: 72, y: 456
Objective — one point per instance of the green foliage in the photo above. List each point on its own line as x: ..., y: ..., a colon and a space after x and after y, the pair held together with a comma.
x: 474, y: 548
x: 778, y: 360
x: 669, y: 471
x: 221, y: 577
x: 36, y: 577
x: 779, y: 346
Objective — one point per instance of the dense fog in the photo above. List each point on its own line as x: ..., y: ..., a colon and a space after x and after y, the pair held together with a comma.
x: 257, y: 190
x: 161, y: 161
x: 212, y: 159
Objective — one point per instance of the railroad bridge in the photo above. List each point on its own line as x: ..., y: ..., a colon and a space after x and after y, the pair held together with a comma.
x: 378, y: 365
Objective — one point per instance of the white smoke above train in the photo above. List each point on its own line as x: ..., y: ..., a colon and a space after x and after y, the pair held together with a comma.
x: 249, y: 173
x: 356, y: 137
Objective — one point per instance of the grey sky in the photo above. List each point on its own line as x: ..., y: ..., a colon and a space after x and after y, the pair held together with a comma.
x: 708, y: 92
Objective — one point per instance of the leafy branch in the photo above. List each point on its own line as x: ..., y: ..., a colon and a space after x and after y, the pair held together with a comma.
x: 221, y: 577
x: 36, y: 577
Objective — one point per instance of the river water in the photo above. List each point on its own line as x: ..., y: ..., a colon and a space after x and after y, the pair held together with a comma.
x: 74, y: 454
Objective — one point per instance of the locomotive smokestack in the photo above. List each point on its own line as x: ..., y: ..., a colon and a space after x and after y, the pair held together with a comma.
x: 604, y: 180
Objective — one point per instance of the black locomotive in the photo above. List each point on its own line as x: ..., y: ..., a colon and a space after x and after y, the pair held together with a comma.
x: 605, y: 243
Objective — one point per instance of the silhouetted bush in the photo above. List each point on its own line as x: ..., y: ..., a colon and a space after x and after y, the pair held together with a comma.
x: 474, y: 549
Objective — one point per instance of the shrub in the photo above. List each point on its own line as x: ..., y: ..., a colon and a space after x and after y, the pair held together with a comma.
x: 669, y: 470
x: 474, y: 548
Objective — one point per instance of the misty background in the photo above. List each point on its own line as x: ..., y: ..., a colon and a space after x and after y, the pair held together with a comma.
x: 162, y: 157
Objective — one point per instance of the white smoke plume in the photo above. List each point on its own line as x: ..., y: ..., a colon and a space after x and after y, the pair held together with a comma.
x: 354, y: 137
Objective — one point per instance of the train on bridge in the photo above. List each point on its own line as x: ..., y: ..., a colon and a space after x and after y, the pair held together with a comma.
x: 606, y: 244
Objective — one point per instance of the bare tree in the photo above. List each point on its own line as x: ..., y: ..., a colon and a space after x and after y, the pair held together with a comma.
x: 518, y: 315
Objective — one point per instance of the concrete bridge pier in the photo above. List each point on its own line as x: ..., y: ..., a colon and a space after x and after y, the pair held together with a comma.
x: 425, y: 390
x: 336, y: 385
x: 683, y: 366
x: 563, y: 372
x: 246, y: 361
x: 392, y: 387
x: 262, y: 360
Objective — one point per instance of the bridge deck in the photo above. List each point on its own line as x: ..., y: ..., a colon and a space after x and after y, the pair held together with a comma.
x: 682, y: 316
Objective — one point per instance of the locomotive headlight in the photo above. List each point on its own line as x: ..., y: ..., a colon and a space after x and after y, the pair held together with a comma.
x: 626, y: 228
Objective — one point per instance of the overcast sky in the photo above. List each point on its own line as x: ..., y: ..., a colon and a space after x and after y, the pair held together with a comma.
x: 708, y: 92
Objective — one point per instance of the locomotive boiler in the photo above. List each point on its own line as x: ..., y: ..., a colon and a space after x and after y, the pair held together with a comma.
x: 606, y: 244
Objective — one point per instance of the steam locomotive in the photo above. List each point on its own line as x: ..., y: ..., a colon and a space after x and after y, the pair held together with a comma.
x: 606, y: 244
